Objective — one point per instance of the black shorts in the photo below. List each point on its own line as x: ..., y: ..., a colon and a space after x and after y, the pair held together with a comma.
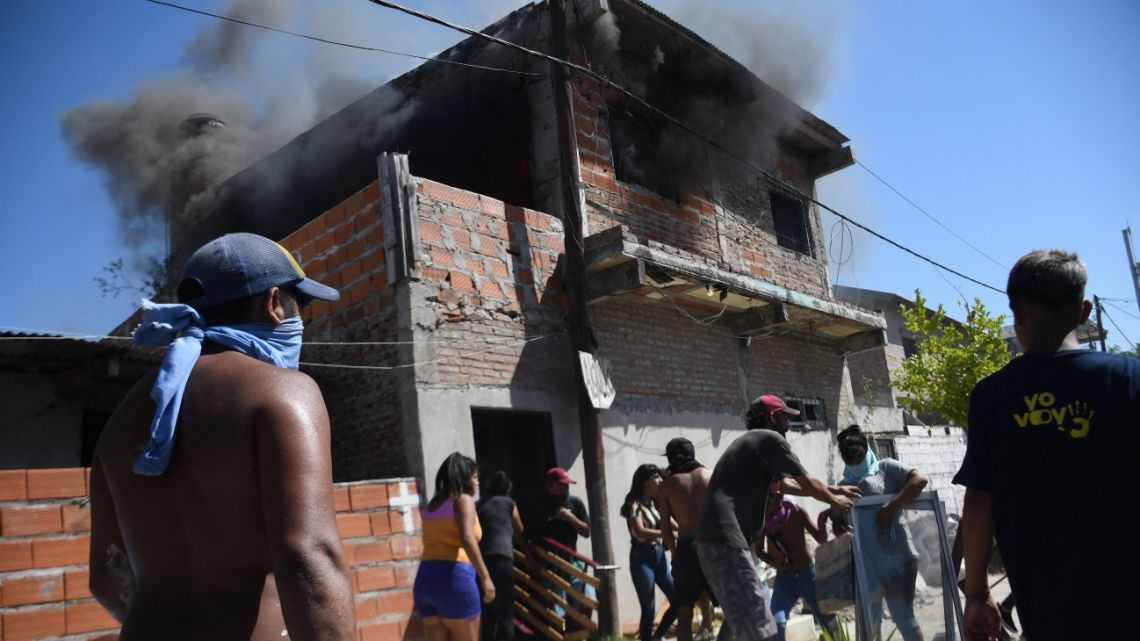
x: 688, y: 578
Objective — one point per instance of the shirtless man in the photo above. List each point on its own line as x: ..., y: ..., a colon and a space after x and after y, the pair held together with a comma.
x: 785, y: 528
x: 228, y: 532
x: 679, y: 498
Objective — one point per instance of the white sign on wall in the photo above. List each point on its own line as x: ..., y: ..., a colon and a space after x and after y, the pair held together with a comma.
x: 596, y: 374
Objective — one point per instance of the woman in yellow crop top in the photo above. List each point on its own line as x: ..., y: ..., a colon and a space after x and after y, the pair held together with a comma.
x: 446, y: 592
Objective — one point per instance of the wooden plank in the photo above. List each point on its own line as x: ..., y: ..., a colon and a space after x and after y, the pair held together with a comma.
x: 546, y: 592
x: 546, y: 613
x: 567, y: 567
x: 578, y: 635
x: 537, y: 624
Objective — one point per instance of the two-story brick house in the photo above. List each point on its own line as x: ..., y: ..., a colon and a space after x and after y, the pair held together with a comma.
x: 433, y: 204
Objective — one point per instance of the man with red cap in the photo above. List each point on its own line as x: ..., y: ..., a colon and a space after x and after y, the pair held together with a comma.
x: 734, y: 508
x: 563, y: 518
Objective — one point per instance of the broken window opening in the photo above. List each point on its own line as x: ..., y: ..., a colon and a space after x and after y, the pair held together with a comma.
x: 639, y: 154
x: 811, y: 413
x: 790, y: 218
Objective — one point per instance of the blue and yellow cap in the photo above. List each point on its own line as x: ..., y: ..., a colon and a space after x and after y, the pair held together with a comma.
x: 241, y: 265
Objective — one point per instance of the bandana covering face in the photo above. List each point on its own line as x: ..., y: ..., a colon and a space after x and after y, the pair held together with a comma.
x: 855, y: 473
x: 182, y: 329
x: 773, y: 522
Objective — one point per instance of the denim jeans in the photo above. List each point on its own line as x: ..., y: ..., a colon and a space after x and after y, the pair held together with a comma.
x: 649, y: 566
x: 790, y: 587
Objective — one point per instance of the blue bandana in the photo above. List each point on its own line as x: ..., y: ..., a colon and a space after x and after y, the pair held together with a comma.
x: 182, y: 329
x: 855, y: 473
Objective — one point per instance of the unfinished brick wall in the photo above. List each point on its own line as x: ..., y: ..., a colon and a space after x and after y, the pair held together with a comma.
x: 344, y: 248
x: 493, y: 311
x: 44, y: 541
x: 45, y: 537
x: 662, y: 359
x: 938, y: 455
x: 727, y: 225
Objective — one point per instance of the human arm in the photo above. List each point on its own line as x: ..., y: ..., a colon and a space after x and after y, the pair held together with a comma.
x: 775, y: 557
x: 790, y: 486
x: 982, y: 618
x: 111, y: 578
x: 576, y: 517
x: 808, y: 485
x: 466, y: 518
x: 816, y: 531
x: 295, y: 470
x: 516, y: 524
x: 668, y: 539
x: 915, y: 483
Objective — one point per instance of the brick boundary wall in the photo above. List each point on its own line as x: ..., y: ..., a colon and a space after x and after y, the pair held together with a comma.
x: 938, y: 456
x: 45, y: 537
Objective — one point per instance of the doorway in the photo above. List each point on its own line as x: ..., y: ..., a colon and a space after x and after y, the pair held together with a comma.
x: 519, y: 443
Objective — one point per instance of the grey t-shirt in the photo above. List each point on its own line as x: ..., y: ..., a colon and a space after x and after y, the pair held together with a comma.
x: 895, y: 542
x: 498, y: 530
x: 733, y: 511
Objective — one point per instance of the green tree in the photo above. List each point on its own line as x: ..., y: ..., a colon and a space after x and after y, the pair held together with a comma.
x: 1116, y: 349
x: 950, y: 360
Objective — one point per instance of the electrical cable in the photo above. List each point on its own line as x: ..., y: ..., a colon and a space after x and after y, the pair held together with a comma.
x: 929, y: 215
x: 712, y: 143
x: 340, y: 44
x: 1122, y: 335
x: 1119, y: 309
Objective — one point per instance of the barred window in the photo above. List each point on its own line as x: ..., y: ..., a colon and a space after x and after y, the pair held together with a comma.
x: 790, y: 217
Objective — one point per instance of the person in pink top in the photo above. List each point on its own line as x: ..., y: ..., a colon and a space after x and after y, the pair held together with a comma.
x: 452, y: 572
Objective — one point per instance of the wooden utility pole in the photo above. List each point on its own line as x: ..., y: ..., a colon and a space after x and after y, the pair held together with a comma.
x: 593, y: 453
x: 1099, y: 324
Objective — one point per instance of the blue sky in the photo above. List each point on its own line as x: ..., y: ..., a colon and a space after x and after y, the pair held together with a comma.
x: 1011, y: 122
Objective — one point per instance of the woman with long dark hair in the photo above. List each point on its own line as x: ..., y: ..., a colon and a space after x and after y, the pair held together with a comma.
x: 499, y: 518
x: 891, y: 558
x: 648, y: 564
x: 451, y: 572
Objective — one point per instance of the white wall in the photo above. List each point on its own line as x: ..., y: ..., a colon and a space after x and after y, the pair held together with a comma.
x: 633, y: 439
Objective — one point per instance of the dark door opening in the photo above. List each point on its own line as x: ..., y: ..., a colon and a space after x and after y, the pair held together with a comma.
x: 518, y: 443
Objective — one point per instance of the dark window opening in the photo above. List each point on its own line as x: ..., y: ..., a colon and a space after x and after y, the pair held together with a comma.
x: 883, y: 447
x: 639, y: 156
x: 520, y: 444
x: 811, y: 413
x: 910, y: 348
x: 790, y: 216
x: 91, y: 426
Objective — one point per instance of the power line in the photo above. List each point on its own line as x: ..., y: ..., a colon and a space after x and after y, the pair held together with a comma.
x: 1119, y: 309
x: 339, y: 44
x: 1131, y: 345
x: 929, y: 215
x: 684, y: 127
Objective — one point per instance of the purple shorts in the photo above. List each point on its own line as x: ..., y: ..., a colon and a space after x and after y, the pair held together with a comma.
x: 446, y: 589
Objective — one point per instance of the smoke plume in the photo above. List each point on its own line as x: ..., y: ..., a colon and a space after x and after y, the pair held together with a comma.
x: 267, y: 88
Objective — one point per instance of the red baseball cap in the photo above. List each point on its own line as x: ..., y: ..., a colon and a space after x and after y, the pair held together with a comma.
x: 772, y: 404
x: 558, y: 475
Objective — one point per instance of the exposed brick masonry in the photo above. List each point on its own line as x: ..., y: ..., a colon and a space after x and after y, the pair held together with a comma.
x: 728, y: 225
x: 344, y: 248
x: 488, y: 283
x: 44, y: 542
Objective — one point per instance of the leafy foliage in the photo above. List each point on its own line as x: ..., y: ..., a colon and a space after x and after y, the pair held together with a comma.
x: 951, y: 358
x: 1116, y: 349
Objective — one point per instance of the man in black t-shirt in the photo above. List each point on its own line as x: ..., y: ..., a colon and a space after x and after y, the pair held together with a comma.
x: 563, y: 517
x: 1053, y: 439
x: 733, y: 513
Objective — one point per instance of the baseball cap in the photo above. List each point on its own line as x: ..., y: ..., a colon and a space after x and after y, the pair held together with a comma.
x: 680, y: 446
x: 558, y: 475
x: 771, y: 405
x: 242, y: 264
